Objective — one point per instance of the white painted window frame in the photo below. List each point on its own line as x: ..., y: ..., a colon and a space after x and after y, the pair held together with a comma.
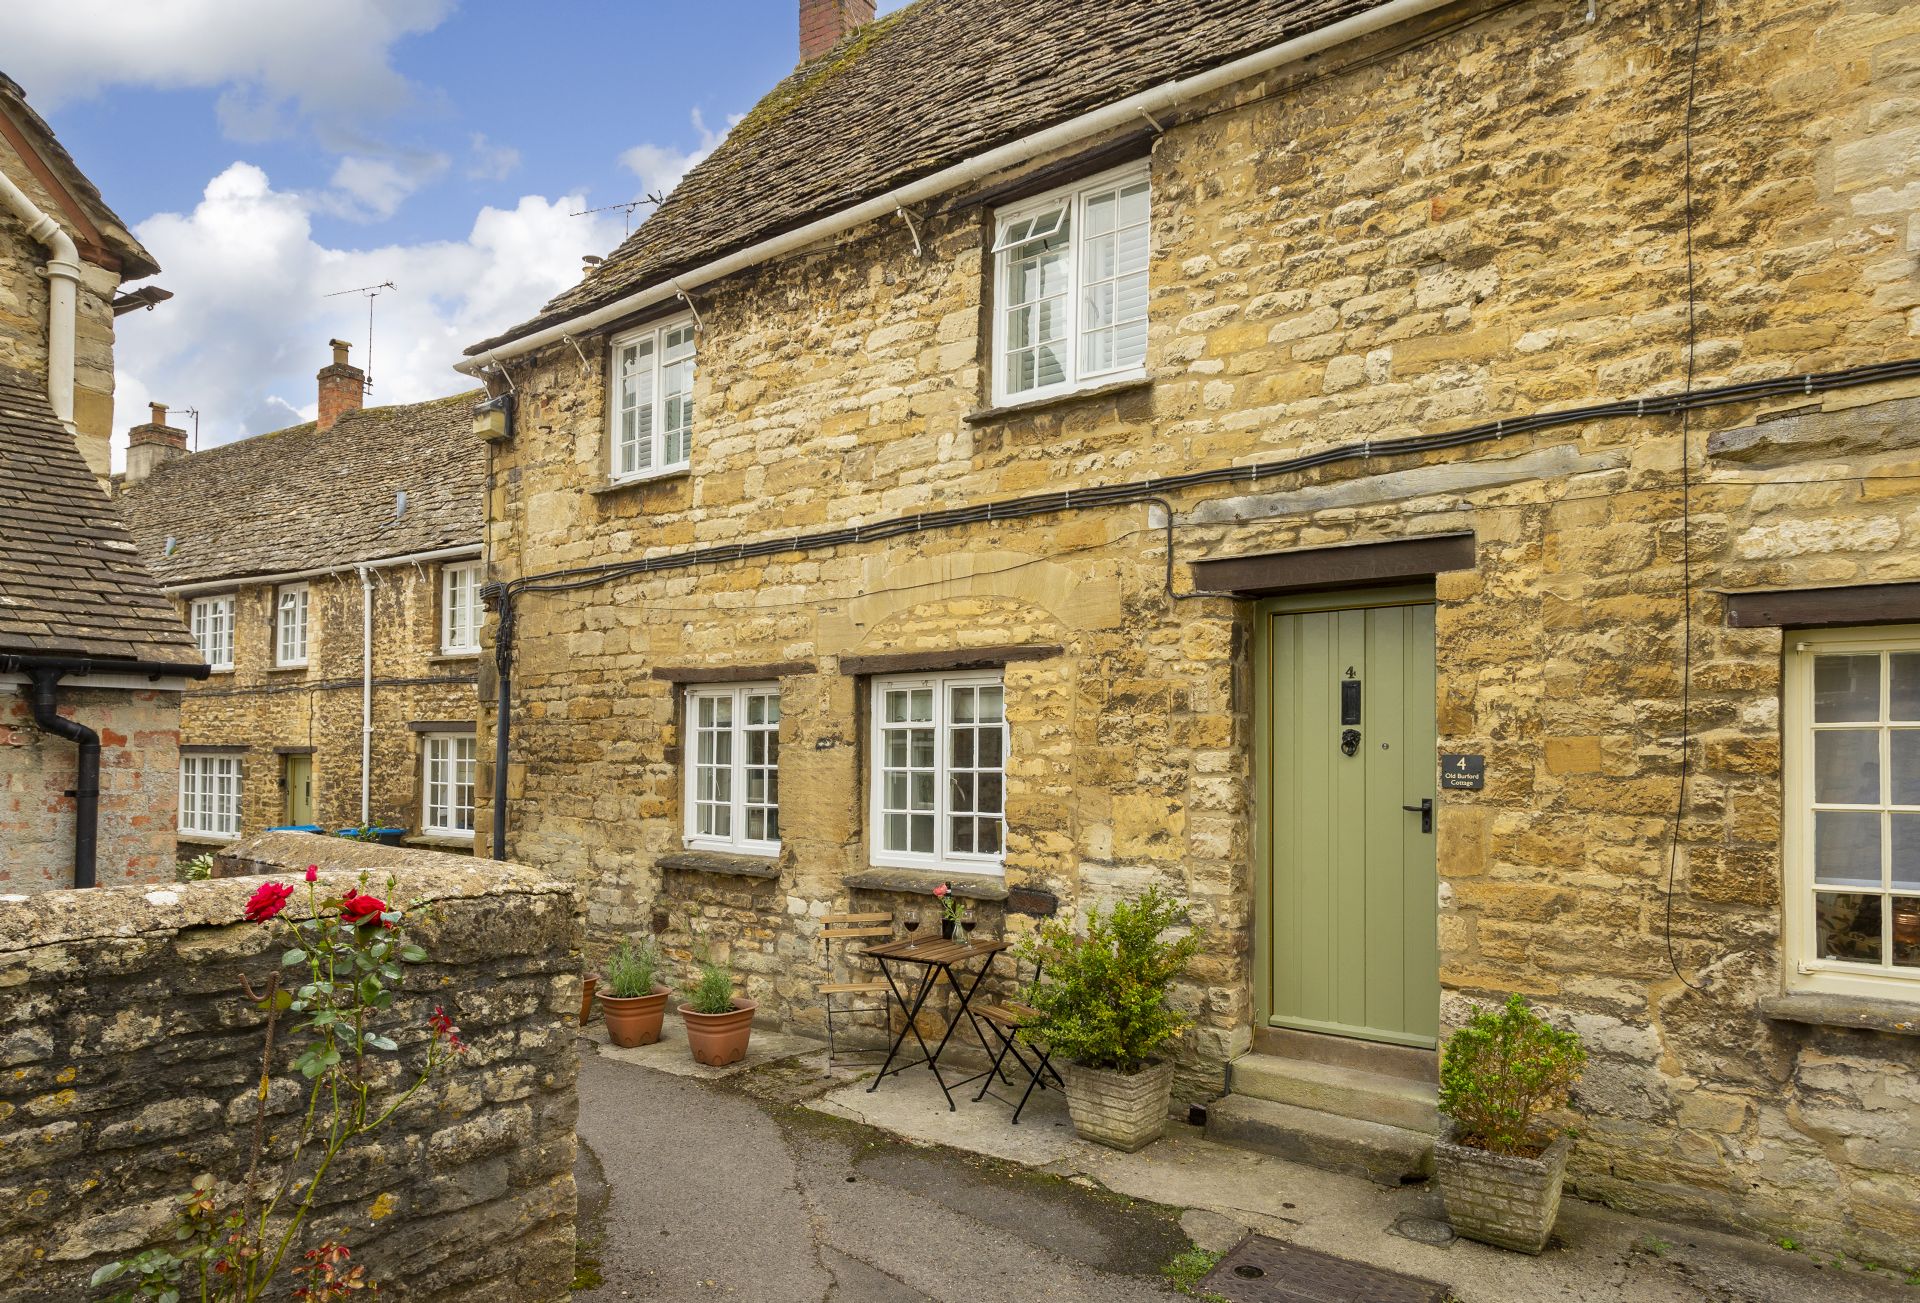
x: 1805, y: 970
x: 201, y: 774
x: 460, y: 619
x: 656, y: 367
x: 210, y: 619
x: 737, y: 842
x: 294, y: 631
x: 1073, y: 197
x: 942, y: 857
x: 440, y: 818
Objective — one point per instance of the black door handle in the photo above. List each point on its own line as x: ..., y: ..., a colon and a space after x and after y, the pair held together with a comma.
x: 1424, y: 810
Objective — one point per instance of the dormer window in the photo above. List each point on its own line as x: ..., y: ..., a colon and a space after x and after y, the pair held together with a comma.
x: 1070, y: 278
x: 650, y: 407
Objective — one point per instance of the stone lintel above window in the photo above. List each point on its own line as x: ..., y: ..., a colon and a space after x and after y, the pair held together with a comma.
x: 763, y: 673
x: 957, y: 658
x: 1342, y: 566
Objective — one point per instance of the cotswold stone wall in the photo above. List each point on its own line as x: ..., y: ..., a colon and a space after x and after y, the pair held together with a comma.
x: 1484, y: 224
x: 139, y: 788
x: 265, y: 713
x: 131, y: 1062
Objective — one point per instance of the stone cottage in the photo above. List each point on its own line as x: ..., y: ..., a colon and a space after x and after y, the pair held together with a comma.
x: 330, y: 575
x: 1432, y: 485
x: 92, y: 657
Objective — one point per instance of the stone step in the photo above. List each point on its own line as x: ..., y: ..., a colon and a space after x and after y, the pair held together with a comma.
x: 1343, y: 1092
x: 1387, y: 1154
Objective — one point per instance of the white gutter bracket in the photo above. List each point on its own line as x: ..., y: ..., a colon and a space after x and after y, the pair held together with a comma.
x: 912, y: 230
x: 686, y: 298
x: 63, y: 282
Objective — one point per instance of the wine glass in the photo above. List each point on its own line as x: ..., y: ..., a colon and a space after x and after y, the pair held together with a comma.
x: 967, y: 922
x: 912, y: 919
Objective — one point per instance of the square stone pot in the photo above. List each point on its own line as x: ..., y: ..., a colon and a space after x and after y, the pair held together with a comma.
x: 1507, y: 1201
x: 1124, y: 1110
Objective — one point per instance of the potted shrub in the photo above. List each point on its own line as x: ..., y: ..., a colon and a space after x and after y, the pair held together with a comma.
x: 1499, y: 1163
x: 633, y: 1002
x: 718, y: 1022
x: 1103, y: 1010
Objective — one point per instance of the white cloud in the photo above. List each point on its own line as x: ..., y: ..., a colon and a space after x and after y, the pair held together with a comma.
x: 488, y: 161
x: 371, y: 189
x: 660, y: 167
x: 250, y: 319
x: 326, y: 62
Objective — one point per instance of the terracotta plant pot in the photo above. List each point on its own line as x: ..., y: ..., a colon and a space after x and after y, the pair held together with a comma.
x: 634, y: 1020
x: 1511, y: 1202
x: 587, y: 986
x: 718, y: 1039
x: 1123, y: 1110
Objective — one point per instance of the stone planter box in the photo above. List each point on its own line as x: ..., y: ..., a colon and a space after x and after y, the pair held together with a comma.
x: 1506, y: 1201
x: 1124, y: 1110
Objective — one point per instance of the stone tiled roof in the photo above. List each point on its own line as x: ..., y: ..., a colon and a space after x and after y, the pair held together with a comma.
x: 298, y: 499
x: 920, y: 90
x: 71, y: 581
x: 135, y: 261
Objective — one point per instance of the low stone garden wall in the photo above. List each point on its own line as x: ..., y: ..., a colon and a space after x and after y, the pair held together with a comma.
x: 130, y: 1062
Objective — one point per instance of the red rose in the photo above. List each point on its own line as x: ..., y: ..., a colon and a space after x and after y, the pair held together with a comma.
x: 939, y: 892
x: 360, y: 910
x: 313, y: 872
x: 267, y: 900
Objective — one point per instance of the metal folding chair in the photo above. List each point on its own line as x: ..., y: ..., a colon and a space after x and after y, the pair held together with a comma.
x: 847, y: 928
x: 1007, y: 1018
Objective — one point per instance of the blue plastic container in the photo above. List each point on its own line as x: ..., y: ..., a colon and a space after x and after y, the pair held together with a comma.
x: 296, y: 827
x: 385, y: 836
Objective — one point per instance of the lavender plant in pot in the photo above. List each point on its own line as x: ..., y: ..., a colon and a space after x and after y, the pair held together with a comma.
x: 1499, y: 1163
x: 718, y: 1022
x: 632, y: 1001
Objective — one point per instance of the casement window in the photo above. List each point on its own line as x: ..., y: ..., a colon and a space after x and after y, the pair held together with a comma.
x: 210, y: 795
x: 939, y: 772
x: 447, y: 786
x: 460, y: 608
x: 651, y: 400
x: 1070, y: 288
x: 211, y: 620
x: 290, y: 625
x: 733, y: 774
x: 1853, y: 810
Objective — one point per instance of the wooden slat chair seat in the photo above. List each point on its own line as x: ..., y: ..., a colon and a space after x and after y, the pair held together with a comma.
x: 845, y: 929
x: 1008, y: 1018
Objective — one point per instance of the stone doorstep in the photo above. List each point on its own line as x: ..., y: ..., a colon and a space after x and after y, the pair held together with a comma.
x: 1386, y: 1154
x: 1344, y: 1092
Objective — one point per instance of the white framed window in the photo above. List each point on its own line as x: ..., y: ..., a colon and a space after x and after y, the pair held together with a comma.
x: 939, y: 772
x: 460, y: 607
x: 211, y: 620
x: 447, y: 786
x: 1070, y: 287
x: 733, y: 768
x: 650, y: 407
x: 1852, y: 773
x: 210, y: 795
x: 290, y: 625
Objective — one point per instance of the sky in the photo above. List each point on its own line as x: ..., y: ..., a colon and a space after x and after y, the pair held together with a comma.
x: 272, y: 155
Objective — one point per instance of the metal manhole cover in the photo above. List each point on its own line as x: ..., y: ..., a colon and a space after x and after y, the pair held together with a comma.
x: 1261, y: 1270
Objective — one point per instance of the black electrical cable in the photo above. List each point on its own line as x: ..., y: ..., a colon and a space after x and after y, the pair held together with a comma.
x: 1686, y: 513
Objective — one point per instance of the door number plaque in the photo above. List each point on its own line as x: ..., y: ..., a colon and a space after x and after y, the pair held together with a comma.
x: 1462, y: 773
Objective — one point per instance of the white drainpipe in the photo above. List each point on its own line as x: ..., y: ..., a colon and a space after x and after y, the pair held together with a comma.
x: 1134, y: 109
x: 63, y: 280
x: 366, y: 694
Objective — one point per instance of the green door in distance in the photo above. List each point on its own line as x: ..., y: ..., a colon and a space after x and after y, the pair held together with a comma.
x: 1348, y: 750
x: 298, y: 777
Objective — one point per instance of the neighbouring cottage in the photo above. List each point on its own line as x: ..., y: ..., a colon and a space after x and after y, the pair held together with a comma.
x: 330, y: 575
x: 1432, y: 485
x: 92, y: 657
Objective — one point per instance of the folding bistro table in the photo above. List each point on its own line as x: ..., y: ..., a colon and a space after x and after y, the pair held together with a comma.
x: 933, y: 955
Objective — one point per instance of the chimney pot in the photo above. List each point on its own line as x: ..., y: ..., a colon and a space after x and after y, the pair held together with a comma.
x: 159, y: 411
x: 343, y: 387
x: 340, y: 349
x: 152, y: 444
x: 825, y: 23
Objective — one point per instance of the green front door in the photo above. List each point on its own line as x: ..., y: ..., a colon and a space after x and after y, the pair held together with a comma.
x: 1347, y: 742
x: 299, y: 783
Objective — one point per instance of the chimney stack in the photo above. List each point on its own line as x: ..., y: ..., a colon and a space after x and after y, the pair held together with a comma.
x: 152, y: 444
x: 343, y: 387
x: 825, y: 23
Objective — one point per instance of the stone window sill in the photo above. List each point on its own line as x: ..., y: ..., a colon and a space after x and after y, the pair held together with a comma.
x: 1115, y: 389
x: 641, y: 481
x: 454, y: 658
x: 301, y: 668
x: 738, y: 866
x: 921, y: 882
x: 1819, y: 1009
x: 207, y: 839
x: 437, y: 842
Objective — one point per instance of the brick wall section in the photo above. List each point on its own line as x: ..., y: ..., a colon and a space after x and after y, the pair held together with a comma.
x: 1479, y: 227
x: 265, y: 710
x: 139, y: 788
x: 129, y: 1059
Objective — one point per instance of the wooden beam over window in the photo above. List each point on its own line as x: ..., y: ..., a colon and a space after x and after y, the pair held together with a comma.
x: 1350, y: 565
x: 1808, y: 608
